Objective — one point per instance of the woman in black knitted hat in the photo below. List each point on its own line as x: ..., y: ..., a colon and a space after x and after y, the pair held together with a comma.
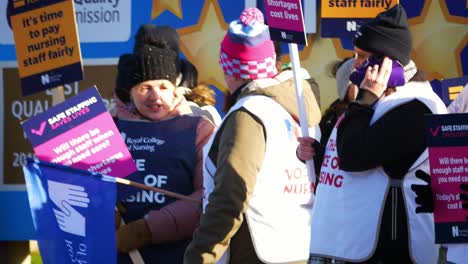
x: 201, y: 97
x: 167, y: 141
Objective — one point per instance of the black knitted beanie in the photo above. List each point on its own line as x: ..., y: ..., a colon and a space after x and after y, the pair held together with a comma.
x: 149, y: 62
x: 148, y: 34
x: 387, y: 35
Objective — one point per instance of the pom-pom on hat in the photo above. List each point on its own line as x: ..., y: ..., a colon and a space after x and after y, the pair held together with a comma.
x: 150, y: 62
x: 150, y: 34
x: 247, y: 51
x: 387, y: 35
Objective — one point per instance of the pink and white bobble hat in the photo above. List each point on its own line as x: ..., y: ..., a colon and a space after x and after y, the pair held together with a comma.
x: 247, y: 51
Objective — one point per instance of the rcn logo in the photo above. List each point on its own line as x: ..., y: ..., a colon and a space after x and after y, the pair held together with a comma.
x: 45, y: 79
x: 351, y: 26
x: 455, y: 232
x: 67, y: 197
x: 283, y: 35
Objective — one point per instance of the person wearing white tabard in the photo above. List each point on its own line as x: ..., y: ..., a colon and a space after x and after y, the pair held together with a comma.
x: 364, y: 208
x: 258, y: 194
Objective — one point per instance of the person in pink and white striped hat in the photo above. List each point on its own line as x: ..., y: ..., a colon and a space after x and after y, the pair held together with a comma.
x: 258, y: 195
x: 247, y: 51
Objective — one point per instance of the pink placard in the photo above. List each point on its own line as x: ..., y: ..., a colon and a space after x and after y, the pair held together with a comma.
x: 80, y: 133
x: 284, y: 14
x: 94, y: 146
x: 449, y: 168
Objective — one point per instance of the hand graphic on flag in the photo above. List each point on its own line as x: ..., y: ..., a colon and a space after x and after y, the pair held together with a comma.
x: 71, y: 197
x: 64, y: 197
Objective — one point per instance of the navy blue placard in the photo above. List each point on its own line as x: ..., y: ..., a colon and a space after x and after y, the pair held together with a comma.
x: 288, y: 36
x: 450, y: 130
x: 52, y: 78
x: 21, y: 6
x: 454, y: 232
x: 340, y: 27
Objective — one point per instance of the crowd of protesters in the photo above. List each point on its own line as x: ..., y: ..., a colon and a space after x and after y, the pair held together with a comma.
x: 370, y: 200
x: 259, y: 204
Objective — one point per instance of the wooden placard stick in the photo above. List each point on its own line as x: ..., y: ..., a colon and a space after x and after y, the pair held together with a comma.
x: 58, y: 95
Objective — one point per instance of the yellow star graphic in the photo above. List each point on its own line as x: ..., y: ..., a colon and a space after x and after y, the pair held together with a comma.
x: 317, y: 59
x: 160, y: 6
x: 435, y: 42
x: 200, y: 44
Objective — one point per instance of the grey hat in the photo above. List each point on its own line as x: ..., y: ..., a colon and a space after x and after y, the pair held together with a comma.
x: 342, y: 78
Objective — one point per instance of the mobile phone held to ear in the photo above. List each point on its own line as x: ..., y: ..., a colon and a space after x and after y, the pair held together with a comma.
x: 397, y: 77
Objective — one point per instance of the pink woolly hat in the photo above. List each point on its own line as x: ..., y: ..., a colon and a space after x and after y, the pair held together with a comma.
x: 247, y: 51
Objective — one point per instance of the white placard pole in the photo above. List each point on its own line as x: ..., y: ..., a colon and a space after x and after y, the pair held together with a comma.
x: 298, y: 83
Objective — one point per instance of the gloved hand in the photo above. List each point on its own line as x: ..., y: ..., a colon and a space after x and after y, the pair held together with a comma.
x: 133, y: 236
x: 423, y: 193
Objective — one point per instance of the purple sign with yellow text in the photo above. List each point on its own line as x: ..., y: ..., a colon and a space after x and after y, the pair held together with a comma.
x: 448, y: 156
x: 286, y: 21
x: 80, y: 133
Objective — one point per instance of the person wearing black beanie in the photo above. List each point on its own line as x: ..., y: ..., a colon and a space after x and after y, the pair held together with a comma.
x: 170, y: 142
x: 200, y: 97
x: 364, y: 206
x: 148, y: 63
x: 150, y: 33
x: 387, y: 35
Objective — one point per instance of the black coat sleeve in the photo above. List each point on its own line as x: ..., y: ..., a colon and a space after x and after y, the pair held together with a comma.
x: 394, y: 141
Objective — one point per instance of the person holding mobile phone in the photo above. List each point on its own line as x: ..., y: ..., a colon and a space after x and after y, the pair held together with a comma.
x: 364, y: 208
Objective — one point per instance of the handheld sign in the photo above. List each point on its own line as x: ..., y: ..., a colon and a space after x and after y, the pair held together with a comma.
x: 80, y: 133
x: 447, y: 137
x: 47, y: 46
x: 341, y: 19
x: 286, y: 21
x: 285, y: 16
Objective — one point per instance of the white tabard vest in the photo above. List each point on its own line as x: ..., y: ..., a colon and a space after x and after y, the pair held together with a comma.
x: 280, y: 208
x: 347, y: 212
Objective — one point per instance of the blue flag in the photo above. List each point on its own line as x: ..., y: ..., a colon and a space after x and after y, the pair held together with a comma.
x: 73, y: 213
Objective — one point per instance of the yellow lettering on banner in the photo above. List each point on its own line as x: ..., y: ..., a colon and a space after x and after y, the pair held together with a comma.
x: 452, y: 96
x: 355, y: 8
x: 454, y: 91
x: 46, y: 38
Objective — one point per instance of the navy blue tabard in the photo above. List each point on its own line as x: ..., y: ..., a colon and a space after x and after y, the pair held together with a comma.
x: 165, y: 155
